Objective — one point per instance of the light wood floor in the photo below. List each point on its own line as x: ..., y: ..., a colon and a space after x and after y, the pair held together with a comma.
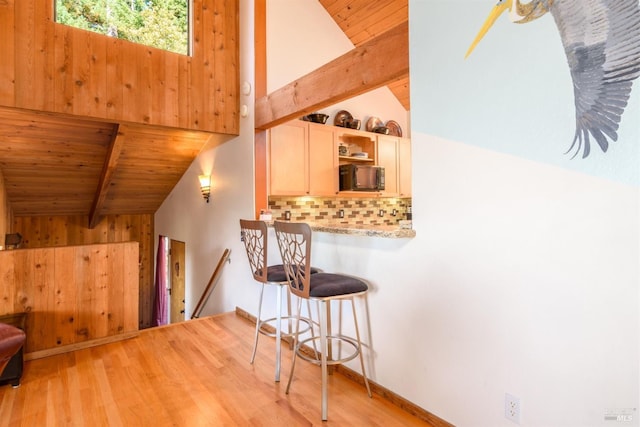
x: 195, y: 373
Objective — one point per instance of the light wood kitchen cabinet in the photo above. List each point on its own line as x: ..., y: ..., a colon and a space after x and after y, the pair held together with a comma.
x: 394, y: 154
x: 387, y: 157
x: 404, y: 167
x: 302, y: 160
x: 323, y: 161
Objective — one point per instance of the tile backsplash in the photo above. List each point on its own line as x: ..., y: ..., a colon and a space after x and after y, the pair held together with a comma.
x: 357, y: 210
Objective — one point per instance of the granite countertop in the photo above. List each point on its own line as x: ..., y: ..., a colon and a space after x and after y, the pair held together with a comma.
x: 388, y: 231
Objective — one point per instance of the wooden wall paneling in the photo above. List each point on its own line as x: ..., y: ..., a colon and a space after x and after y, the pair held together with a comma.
x: 84, y: 282
x: 7, y: 47
x: 49, y: 231
x: 195, y: 73
x: 221, y: 66
x: 57, y: 232
x: 144, y: 89
x: 41, y: 322
x: 184, y: 80
x: 63, y: 84
x: 129, y: 82
x: 65, y: 320
x: 82, y: 73
x: 209, y: 24
x: 114, y: 70
x: 66, y: 292
x: 101, y: 292
x: 96, y: 77
x: 146, y: 270
x: 157, y: 89
x: 25, y: 50
x: 93, y: 235
x: 45, y: 239
x: 75, y: 229
x: 116, y: 233
x: 44, y: 49
x: 228, y: 66
x: 132, y: 320
x: 116, y: 297
x: 22, y: 281
x: 172, y: 89
x: 5, y: 225
x: 8, y: 288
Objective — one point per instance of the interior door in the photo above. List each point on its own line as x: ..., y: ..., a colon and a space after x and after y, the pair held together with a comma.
x: 176, y: 289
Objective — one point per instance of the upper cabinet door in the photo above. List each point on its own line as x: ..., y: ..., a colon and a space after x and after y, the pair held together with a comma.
x: 288, y: 159
x: 323, y: 160
x: 388, y: 158
x: 404, y: 167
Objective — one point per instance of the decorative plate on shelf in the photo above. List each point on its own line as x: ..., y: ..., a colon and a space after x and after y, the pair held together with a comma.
x: 394, y: 128
x: 373, y: 123
x: 341, y: 118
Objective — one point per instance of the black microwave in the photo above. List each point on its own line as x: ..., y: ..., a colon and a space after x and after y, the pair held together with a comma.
x: 356, y: 177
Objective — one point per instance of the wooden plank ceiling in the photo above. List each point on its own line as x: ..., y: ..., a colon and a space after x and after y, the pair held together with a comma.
x: 56, y: 165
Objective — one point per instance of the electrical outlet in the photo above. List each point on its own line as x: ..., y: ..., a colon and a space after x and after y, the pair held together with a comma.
x: 341, y: 213
x: 512, y: 408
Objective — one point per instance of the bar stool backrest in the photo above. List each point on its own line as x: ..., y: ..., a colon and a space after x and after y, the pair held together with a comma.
x: 294, y: 241
x: 254, y: 236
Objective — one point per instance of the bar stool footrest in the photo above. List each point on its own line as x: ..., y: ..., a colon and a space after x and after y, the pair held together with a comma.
x: 271, y: 322
x: 334, y: 339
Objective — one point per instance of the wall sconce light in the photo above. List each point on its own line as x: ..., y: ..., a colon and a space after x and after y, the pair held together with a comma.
x: 205, y: 186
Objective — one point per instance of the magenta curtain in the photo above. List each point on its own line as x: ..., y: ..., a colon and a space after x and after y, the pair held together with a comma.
x: 160, y: 305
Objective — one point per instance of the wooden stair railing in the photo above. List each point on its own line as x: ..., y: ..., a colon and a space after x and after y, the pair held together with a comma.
x: 211, y: 285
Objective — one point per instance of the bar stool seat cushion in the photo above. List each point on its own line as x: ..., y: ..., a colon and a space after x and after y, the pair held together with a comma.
x: 324, y: 285
x: 275, y: 273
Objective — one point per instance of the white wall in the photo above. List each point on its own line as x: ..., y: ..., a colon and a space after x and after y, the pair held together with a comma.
x: 530, y: 259
x: 524, y: 274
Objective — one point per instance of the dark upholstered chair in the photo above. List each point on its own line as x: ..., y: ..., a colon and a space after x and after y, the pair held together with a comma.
x: 11, y: 339
x: 254, y: 236
x: 294, y: 241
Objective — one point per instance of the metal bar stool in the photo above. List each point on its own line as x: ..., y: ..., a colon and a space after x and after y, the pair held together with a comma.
x: 254, y: 236
x: 294, y: 241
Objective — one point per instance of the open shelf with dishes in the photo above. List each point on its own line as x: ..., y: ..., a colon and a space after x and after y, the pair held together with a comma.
x: 356, y: 147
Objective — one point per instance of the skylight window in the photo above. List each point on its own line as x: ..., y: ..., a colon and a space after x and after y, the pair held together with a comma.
x: 163, y: 24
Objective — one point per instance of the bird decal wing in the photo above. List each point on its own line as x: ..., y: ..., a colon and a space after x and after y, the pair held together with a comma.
x: 601, y: 39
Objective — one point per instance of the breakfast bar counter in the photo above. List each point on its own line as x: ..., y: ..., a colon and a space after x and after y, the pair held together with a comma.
x: 368, y: 230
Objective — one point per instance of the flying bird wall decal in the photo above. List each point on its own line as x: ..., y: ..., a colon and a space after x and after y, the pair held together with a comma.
x: 601, y: 39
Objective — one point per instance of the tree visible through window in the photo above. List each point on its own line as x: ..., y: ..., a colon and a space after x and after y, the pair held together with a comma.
x: 159, y: 23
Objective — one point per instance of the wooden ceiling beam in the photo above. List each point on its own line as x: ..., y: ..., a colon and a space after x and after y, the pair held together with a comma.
x: 108, y: 169
x: 376, y: 63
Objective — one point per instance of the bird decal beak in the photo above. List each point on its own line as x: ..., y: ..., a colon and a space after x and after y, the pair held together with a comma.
x: 502, y: 6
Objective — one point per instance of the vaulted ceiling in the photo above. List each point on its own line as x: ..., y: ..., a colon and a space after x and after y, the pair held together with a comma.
x: 363, y: 20
x: 64, y: 165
